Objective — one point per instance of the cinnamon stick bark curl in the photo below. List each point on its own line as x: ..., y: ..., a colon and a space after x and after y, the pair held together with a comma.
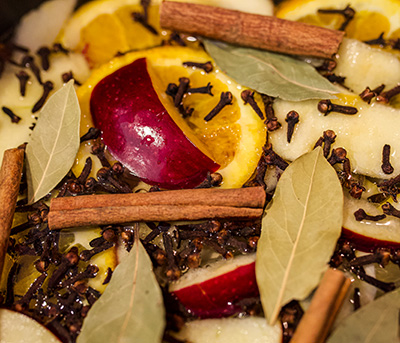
x: 252, y: 30
x: 10, y: 178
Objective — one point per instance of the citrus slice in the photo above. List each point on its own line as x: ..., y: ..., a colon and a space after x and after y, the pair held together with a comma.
x: 101, y: 29
x: 371, y: 17
x: 233, y: 138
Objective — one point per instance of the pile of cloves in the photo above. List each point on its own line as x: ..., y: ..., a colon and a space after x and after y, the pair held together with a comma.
x: 183, y: 244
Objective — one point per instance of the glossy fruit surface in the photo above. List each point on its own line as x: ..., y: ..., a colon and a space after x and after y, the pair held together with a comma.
x: 367, y: 235
x: 140, y: 133
x: 19, y: 328
x: 233, y: 139
x: 385, y: 15
x: 228, y: 330
x: 212, y: 291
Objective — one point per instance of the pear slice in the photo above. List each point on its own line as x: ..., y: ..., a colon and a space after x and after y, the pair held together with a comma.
x: 19, y: 328
x: 363, y: 65
x: 14, y: 134
x: 363, y: 135
x: 226, y: 330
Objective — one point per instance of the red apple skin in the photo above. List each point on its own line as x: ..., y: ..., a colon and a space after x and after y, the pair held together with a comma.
x: 140, y: 133
x: 216, y: 297
x: 366, y: 243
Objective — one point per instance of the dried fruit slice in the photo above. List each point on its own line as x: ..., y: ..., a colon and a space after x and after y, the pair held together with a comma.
x: 234, y: 138
x: 384, y: 14
x: 100, y: 29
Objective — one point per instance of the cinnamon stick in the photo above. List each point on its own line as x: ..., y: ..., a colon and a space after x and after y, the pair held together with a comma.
x: 252, y: 30
x: 115, y: 215
x: 317, y: 321
x: 253, y: 197
x: 10, y: 178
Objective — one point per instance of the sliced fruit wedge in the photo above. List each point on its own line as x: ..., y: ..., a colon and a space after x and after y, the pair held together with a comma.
x: 363, y: 135
x: 367, y: 235
x: 14, y: 134
x: 384, y: 14
x: 101, y: 29
x: 41, y: 26
x: 18, y: 328
x: 233, y: 138
x: 212, y: 291
x: 355, y: 58
x: 227, y: 330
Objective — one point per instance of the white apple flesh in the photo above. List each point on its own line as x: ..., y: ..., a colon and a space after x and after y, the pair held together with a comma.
x: 231, y: 330
x: 19, y: 328
x: 212, y: 291
x: 368, y: 235
x: 140, y: 132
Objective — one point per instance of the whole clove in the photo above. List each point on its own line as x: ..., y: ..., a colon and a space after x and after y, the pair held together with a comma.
x: 338, y: 155
x: 386, y: 96
x: 23, y: 78
x: 207, y: 66
x: 47, y: 88
x: 14, y: 118
x: 225, y: 99
x: 29, y: 62
x: 248, y: 98
x: 201, y: 90
x: 69, y: 76
x: 347, y: 13
x: 44, y: 53
x: 93, y: 133
x: 390, y: 210
x: 326, y: 107
x: 387, y: 168
x: 360, y: 215
x: 292, y: 118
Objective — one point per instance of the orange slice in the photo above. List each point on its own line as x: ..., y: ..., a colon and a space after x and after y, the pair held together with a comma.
x: 372, y: 17
x: 234, y: 138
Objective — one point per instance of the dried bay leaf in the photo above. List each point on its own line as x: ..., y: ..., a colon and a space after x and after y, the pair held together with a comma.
x: 274, y: 74
x: 54, y: 142
x: 299, y: 232
x: 131, y: 308
x: 376, y: 322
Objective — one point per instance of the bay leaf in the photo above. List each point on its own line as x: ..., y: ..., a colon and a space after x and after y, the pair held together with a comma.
x: 131, y: 308
x: 299, y: 232
x: 54, y: 142
x: 270, y: 73
x: 376, y: 322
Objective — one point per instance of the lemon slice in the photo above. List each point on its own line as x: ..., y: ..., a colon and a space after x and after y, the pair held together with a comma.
x: 234, y: 138
x: 372, y: 17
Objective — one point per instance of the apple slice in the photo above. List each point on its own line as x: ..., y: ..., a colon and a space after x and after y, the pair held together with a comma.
x: 140, y: 133
x: 212, y: 291
x: 18, y: 328
x: 367, y: 235
x: 229, y: 330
